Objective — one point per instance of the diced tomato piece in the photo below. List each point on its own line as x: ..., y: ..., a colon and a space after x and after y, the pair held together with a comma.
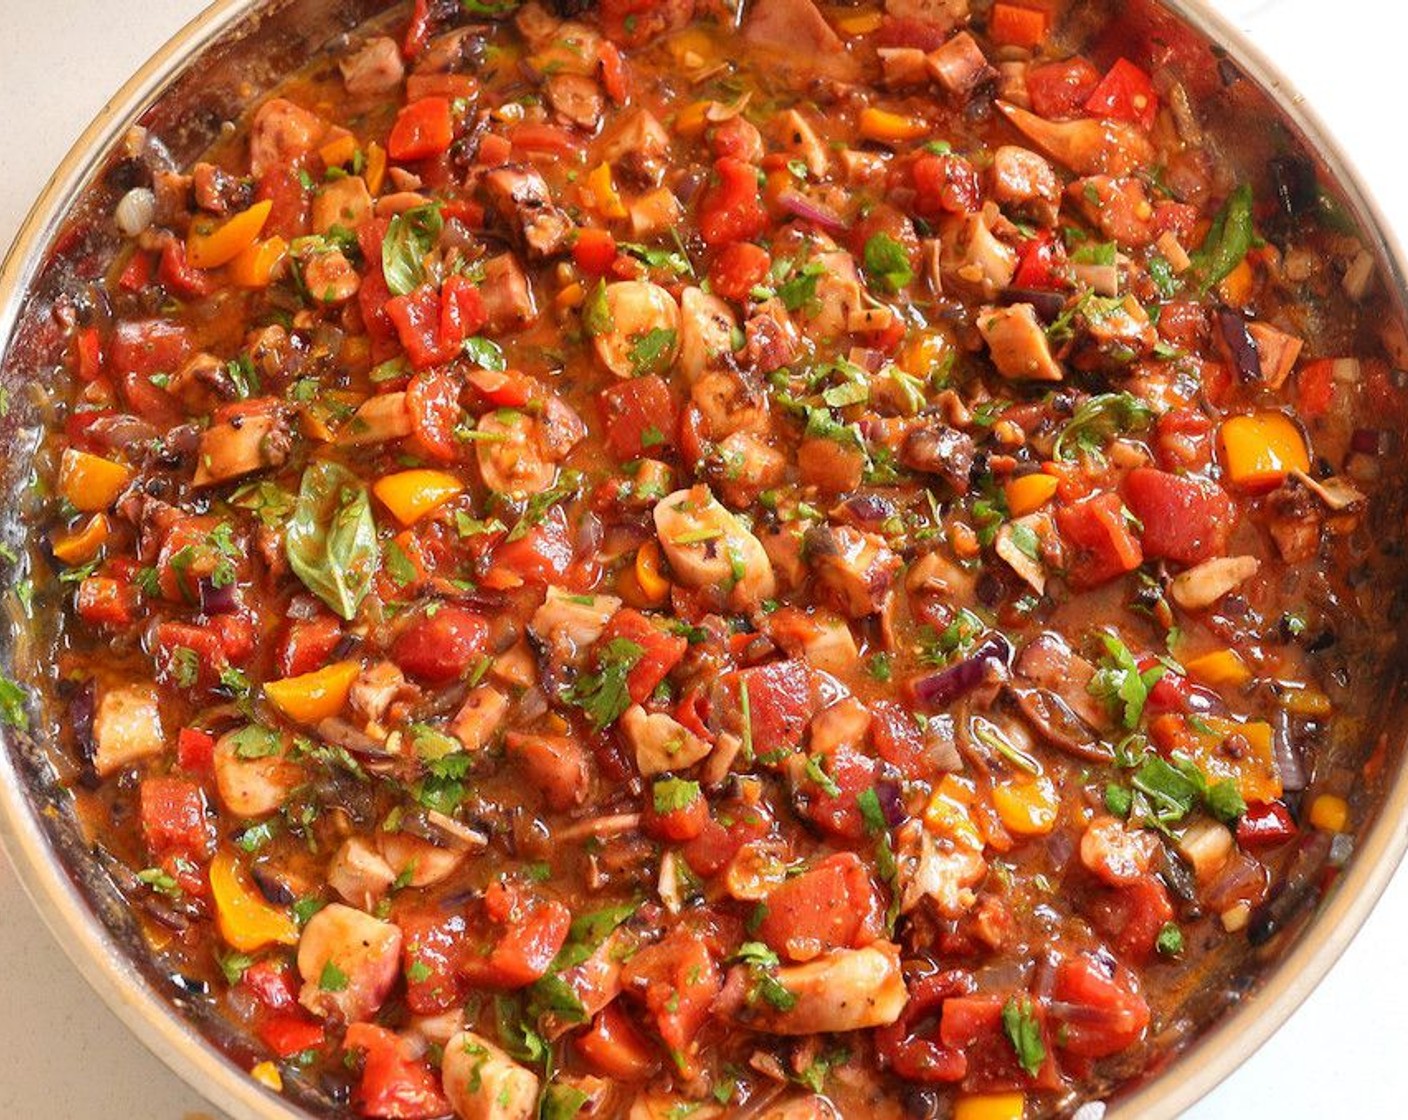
x: 1102, y: 543
x: 1125, y: 93
x: 440, y: 647
x: 718, y: 842
x: 1017, y: 25
x: 431, y: 325
x: 615, y: 74
x: 173, y: 817
x: 494, y: 150
x: 1041, y: 263
x: 195, y: 750
x: 633, y: 23
x: 615, y: 1047
x: 638, y: 416
x: 945, y: 184
x: 545, y: 138
x: 899, y: 739
x: 974, y: 1026
x: 433, y: 943
x: 149, y: 346
x: 236, y: 634
x: 1108, y: 1014
x: 913, y: 1046
x: 289, y: 216
x: 308, y: 644
x: 423, y: 129
x: 272, y: 984
x: 1186, y: 520
x: 1132, y: 915
x: 837, y: 811
x: 524, y: 950
x: 287, y: 1035
x: 543, y: 554
x: 433, y: 400
x: 1315, y: 388
x: 1183, y: 440
x: 738, y: 269
x: 1177, y: 218
x: 835, y: 905
x: 661, y: 650
x: 188, y: 656
x: 88, y: 353
x: 502, y: 388
x: 780, y: 700
x: 107, y: 602
x: 732, y: 209
x: 676, y: 825
x: 594, y: 250
x: 677, y: 980
x: 1265, y: 824
x: 1059, y: 89
x: 905, y: 31
x: 394, y: 1085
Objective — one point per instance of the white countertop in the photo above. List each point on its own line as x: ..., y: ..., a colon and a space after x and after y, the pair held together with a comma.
x: 68, y: 1058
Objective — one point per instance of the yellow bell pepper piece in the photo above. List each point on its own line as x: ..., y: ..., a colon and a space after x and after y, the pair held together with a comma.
x: 608, y: 199
x: 923, y: 354
x: 410, y: 495
x: 246, y: 921
x: 81, y: 545
x: 1306, y: 702
x: 376, y: 167
x: 210, y: 248
x: 267, y: 1074
x: 339, y: 150
x: 314, y: 696
x: 1253, y: 769
x: 1220, y: 668
x: 990, y: 1106
x: 653, y: 584
x: 1027, y: 806
x: 254, y: 267
x: 1329, y: 813
x: 1260, y: 450
x: 90, y: 482
x: 693, y: 119
x: 1235, y: 288
x: 1029, y: 493
x: 862, y: 23
x: 948, y: 812
x: 574, y: 295
x: 887, y: 127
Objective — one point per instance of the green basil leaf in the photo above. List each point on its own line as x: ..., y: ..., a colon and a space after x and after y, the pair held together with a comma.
x: 409, y: 237
x: 331, y: 540
x: 1228, y: 239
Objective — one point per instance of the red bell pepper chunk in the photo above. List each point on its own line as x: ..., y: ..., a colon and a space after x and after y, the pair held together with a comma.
x: 739, y: 269
x: 594, y: 251
x: 1125, y: 93
x: 177, y: 275
x: 545, y: 138
x: 423, y: 129
x: 1266, y: 824
x: 394, y: 1085
x: 1059, y: 89
x: 287, y: 1035
x: 523, y: 951
x: 137, y: 273
x: 1040, y: 265
x: 614, y: 1046
x: 273, y: 985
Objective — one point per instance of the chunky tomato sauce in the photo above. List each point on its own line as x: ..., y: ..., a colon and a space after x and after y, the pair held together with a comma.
x: 648, y: 563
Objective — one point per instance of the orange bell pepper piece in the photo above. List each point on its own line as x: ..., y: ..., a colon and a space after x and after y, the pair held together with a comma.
x: 211, y: 247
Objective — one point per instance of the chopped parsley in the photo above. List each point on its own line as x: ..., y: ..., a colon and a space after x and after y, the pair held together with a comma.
x: 603, y: 695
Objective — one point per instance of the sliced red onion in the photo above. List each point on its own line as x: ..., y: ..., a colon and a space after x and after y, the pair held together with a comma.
x: 939, y: 690
x: 810, y: 211
x: 217, y: 600
x: 1288, y: 760
x: 869, y: 509
x: 1241, y: 347
x: 891, y: 802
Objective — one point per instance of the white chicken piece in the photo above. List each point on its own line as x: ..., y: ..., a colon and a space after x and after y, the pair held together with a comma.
x: 1087, y: 146
x: 349, y: 962
x: 513, y: 454
x: 1017, y: 343
x: 280, y: 133
x: 706, y: 333
x: 844, y: 990
x: 972, y: 259
x: 799, y: 140
x: 359, y: 874
x: 378, y: 419
x: 484, y: 1083
x: 126, y: 727
x: 1024, y: 184
x: 941, y: 870
x: 797, y: 35
x: 344, y: 202
x: 567, y: 623
x: 416, y: 862
x: 375, y: 67
x: 855, y: 570
x: 251, y: 782
x: 639, y: 330
x: 480, y: 717
x: 659, y: 742
x: 708, y: 546
x: 1205, y: 584
x: 233, y: 449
